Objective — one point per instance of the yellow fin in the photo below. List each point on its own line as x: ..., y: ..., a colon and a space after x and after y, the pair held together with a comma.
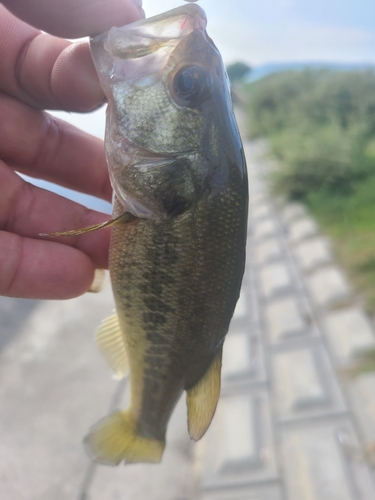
x: 113, y: 440
x: 126, y: 217
x: 111, y: 344
x: 202, y: 399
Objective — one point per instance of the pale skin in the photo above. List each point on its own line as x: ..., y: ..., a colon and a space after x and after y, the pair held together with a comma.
x: 45, y: 71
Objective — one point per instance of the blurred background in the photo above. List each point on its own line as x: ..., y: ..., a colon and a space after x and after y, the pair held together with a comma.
x: 296, y: 420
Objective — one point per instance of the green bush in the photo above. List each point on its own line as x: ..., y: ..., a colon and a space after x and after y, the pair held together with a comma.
x: 237, y: 71
x: 320, y: 124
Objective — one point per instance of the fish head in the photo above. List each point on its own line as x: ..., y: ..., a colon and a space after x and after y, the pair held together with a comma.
x: 169, y: 117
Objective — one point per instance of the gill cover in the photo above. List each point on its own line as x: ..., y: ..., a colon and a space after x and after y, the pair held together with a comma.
x: 132, y: 64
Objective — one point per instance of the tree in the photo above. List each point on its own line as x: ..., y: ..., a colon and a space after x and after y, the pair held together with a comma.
x: 237, y: 71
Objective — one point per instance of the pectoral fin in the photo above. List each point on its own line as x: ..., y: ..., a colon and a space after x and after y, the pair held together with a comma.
x: 126, y: 217
x: 111, y: 344
x: 202, y: 399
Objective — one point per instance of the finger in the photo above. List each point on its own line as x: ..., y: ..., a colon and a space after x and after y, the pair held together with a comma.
x: 42, y: 270
x: 27, y: 211
x: 45, y: 71
x: 40, y: 145
x: 72, y: 18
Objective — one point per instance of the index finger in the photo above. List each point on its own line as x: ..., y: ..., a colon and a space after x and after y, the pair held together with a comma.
x: 49, y: 72
x: 72, y: 18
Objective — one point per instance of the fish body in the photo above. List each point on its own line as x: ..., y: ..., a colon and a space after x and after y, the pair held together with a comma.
x: 177, y: 167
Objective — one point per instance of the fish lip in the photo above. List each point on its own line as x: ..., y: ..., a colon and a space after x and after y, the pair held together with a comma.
x: 142, y: 38
x: 191, y: 10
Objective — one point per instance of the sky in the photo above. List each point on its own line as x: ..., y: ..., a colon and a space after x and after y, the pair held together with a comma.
x: 263, y: 31
x: 267, y: 31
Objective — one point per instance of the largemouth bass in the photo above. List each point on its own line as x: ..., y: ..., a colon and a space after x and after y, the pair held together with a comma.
x: 180, y: 214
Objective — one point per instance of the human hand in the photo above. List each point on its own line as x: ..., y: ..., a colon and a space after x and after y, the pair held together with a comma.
x: 40, y: 71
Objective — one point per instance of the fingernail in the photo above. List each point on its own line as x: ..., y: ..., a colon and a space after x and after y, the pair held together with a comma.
x: 98, y: 282
x: 137, y: 3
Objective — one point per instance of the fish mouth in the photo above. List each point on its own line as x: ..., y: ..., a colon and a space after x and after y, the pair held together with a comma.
x: 147, y: 35
x: 145, y: 44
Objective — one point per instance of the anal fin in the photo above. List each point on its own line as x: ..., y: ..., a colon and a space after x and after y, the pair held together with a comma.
x: 111, y: 344
x: 203, y: 397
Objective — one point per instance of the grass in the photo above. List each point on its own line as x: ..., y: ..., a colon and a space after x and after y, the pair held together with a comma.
x: 350, y: 222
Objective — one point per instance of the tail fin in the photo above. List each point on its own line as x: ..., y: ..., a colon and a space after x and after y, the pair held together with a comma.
x: 113, y: 439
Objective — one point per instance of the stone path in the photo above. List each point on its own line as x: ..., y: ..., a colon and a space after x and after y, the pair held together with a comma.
x: 288, y: 426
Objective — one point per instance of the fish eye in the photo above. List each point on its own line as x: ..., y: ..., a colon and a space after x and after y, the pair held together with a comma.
x: 191, y: 85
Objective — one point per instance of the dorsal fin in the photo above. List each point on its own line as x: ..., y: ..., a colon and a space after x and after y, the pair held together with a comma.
x: 202, y: 398
x: 111, y: 344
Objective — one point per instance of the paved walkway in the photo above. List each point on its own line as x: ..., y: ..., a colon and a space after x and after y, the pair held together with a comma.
x: 53, y: 386
x: 287, y: 427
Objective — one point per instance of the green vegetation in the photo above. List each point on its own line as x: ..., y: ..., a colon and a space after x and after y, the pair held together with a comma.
x: 321, y: 126
x: 237, y: 71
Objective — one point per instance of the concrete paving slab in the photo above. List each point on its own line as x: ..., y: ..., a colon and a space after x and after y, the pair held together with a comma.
x: 256, y: 198
x: 237, y: 359
x: 305, y: 386
x: 264, y: 229
x: 284, y: 319
x: 54, y: 385
x: 349, y: 332
x: 238, y: 448
x: 13, y: 315
x: 239, y: 416
x: 243, y: 360
x: 293, y: 211
x: 328, y: 287
x: 261, y: 211
x: 361, y: 394
x: 302, y: 229
x: 252, y: 294
x: 314, y: 465
x: 318, y: 464
x: 298, y: 382
x: 313, y: 253
x: 268, y: 492
x: 242, y: 306
x: 267, y: 251
x: 256, y: 182
x: 275, y: 280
